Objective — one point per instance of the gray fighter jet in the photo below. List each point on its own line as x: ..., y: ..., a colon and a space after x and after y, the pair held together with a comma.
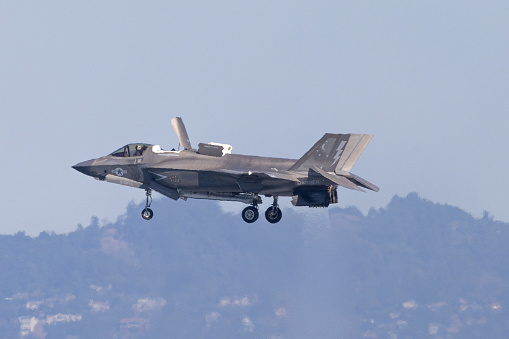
x: 213, y: 172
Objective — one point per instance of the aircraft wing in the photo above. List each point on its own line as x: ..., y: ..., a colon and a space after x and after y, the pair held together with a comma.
x: 269, y: 174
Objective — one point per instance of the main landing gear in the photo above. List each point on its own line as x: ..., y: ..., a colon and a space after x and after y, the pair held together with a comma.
x: 250, y: 213
x: 147, y: 213
x: 273, y: 214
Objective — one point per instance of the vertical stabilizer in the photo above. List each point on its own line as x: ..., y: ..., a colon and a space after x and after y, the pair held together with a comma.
x: 334, y: 152
x: 353, y: 150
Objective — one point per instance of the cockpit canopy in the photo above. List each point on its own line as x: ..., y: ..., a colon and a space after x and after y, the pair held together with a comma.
x: 131, y: 150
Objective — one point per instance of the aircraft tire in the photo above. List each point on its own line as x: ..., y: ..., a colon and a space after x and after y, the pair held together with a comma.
x: 250, y: 214
x: 273, y: 217
x: 147, y: 214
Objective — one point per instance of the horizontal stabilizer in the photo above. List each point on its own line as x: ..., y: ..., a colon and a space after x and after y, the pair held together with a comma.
x: 338, y: 180
x: 360, y: 181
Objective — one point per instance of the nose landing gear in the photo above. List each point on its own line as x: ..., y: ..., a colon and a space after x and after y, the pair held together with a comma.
x: 147, y: 213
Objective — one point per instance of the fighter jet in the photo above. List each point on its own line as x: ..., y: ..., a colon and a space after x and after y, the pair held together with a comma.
x: 213, y: 172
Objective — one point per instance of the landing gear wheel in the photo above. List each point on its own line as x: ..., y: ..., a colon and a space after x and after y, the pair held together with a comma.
x: 273, y: 215
x: 250, y: 214
x: 147, y: 214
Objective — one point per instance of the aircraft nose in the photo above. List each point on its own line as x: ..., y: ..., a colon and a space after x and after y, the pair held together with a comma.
x: 84, y: 167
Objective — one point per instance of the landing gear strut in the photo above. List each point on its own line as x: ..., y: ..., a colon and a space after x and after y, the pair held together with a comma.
x: 147, y: 213
x: 273, y: 213
x: 250, y: 213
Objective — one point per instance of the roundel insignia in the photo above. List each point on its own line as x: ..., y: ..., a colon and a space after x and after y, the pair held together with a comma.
x: 119, y: 172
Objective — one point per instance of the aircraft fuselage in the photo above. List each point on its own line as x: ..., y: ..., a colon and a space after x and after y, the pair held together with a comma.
x: 212, y: 172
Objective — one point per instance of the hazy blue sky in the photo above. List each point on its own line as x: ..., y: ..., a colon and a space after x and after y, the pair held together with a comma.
x: 79, y: 79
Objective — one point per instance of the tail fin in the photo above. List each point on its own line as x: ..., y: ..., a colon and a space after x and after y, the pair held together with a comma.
x: 353, y: 150
x: 334, y: 153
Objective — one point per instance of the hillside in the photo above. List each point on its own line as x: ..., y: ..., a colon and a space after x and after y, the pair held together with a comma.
x: 411, y: 270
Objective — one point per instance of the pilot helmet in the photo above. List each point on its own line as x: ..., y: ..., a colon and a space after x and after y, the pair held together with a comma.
x: 138, y: 147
